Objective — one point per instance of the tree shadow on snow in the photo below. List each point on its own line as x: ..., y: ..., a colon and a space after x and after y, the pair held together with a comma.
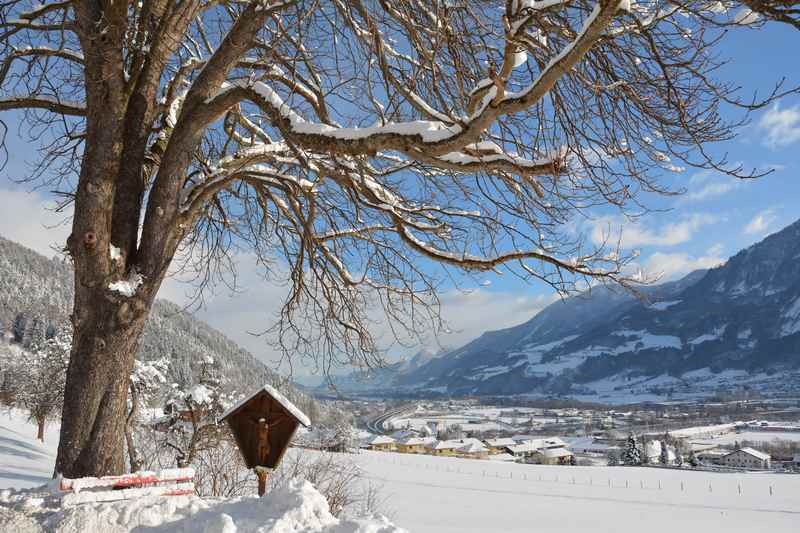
x: 16, y: 476
x: 20, y: 449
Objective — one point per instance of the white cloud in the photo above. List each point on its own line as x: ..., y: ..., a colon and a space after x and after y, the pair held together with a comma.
x: 782, y: 126
x: 635, y: 234
x: 669, y: 266
x: 760, y: 223
x: 28, y: 218
x: 471, y: 313
x: 710, y: 190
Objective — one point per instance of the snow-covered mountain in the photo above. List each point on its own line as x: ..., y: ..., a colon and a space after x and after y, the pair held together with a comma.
x: 32, y: 286
x: 734, y: 326
x: 377, y: 378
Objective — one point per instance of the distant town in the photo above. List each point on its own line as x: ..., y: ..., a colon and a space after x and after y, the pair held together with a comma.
x: 748, y: 435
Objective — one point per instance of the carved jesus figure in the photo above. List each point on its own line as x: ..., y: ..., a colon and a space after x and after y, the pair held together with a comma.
x: 262, y: 433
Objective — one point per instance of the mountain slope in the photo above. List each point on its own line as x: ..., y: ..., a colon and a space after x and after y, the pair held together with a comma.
x: 734, y: 325
x: 33, y: 286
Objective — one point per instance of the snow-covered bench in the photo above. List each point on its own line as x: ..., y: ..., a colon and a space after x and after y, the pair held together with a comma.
x: 170, y: 482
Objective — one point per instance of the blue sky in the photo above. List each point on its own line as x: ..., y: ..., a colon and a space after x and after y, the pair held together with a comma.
x: 717, y: 217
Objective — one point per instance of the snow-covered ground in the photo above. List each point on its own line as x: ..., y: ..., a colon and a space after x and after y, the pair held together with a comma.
x: 24, y: 461
x: 757, y: 436
x: 27, y: 505
x: 431, y: 494
x: 450, y: 495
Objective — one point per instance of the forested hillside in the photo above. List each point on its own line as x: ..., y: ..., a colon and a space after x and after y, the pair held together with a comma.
x: 34, y: 288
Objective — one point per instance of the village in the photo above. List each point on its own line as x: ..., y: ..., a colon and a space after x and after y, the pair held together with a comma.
x: 585, y: 437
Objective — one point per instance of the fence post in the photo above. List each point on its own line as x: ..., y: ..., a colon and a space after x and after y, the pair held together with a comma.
x: 709, y: 487
x: 626, y: 483
x: 770, y: 490
x: 740, y: 489
x: 641, y: 483
x: 681, y: 486
x: 659, y: 484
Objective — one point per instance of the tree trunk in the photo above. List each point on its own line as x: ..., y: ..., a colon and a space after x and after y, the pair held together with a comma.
x: 106, y: 338
x: 40, y: 432
x: 134, y: 458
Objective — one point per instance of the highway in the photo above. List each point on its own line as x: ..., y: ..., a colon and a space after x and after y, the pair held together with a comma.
x: 376, y: 425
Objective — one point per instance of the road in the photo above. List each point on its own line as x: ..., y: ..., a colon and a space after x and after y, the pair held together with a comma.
x: 376, y: 425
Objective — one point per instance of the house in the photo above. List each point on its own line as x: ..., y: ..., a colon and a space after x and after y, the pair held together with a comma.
x: 711, y: 455
x: 498, y: 445
x: 443, y: 447
x: 413, y: 444
x: 474, y: 450
x: 552, y: 456
x: 521, y: 451
x: 746, y: 458
x: 454, y: 447
x: 590, y: 445
x: 529, y: 448
x: 382, y: 443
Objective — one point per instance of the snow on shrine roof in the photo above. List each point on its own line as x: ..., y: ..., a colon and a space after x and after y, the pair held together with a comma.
x: 278, y: 397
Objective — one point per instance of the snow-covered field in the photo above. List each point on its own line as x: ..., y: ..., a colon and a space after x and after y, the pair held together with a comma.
x: 757, y: 436
x: 427, y: 494
x: 450, y: 495
x: 24, y: 461
x: 26, y: 464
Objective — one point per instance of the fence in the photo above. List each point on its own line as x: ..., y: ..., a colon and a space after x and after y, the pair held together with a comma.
x: 540, y: 475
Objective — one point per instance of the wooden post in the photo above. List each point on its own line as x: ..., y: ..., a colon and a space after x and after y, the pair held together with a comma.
x: 262, y: 474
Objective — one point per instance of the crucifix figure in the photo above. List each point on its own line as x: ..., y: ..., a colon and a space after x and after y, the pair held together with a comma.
x: 262, y: 450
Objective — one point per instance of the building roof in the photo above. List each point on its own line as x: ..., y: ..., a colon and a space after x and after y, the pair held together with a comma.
x: 415, y: 441
x: 755, y: 453
x: 500, y: 442
x: 453, y: 444
x: 290, y: 408
x: 555, y: 452
x: 473, y: 447
x: 381, y: 439
x: 580, y: 444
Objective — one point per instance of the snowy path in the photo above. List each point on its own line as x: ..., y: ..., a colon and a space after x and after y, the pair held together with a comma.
x: 434, y: 494
x: 24, y: 461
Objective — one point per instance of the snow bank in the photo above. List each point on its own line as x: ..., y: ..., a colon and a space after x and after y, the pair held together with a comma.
x: 296, y: 508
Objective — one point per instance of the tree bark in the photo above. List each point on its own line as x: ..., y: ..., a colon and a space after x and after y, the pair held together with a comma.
x: 106, y: 338
x: 40, y: 432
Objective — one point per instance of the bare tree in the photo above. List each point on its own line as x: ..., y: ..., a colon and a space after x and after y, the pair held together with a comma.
x: 347, y: 144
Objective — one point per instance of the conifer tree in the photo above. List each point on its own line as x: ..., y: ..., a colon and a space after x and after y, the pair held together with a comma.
x: 631, y: 456
x: 664, y: 457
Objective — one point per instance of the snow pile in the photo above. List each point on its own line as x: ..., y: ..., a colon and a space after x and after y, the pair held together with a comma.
x: 296, y: 508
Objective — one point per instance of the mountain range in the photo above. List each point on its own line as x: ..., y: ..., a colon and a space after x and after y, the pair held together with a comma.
x: 733, y: 327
